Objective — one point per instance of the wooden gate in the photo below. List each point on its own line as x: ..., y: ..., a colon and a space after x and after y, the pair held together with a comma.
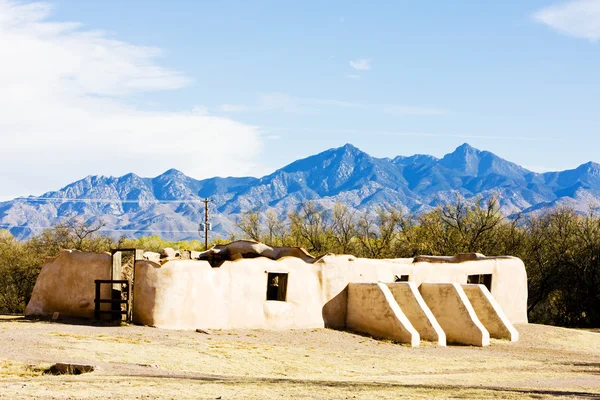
x: 118, y: 297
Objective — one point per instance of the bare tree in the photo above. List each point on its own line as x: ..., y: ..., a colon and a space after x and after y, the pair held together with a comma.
x: 377, y: 234
x: 310, y: 227
x: 249, y: 224
x: 343, y: 227
x: 275, y: 228
x: 473, y: 223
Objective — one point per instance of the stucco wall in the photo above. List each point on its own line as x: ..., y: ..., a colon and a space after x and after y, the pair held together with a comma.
x: 509, y: 280
x: 189, y: 294
x: 66, y: 284
x: 489, y: 313
x: 414, y: 307
x: 373, y: 310
x: 453, y: 311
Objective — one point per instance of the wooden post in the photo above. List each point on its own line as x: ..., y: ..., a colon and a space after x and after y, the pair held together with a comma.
x: 115, y: 274
x: 97, y: 301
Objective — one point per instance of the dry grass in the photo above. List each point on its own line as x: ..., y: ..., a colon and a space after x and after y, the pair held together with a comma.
x: 11, y: 369
x: 135, y: 361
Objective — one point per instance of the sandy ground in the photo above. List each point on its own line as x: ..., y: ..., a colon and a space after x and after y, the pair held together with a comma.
x: 136, y: 362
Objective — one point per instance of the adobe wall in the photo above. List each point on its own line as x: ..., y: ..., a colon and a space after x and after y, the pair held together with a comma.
x: 490, y: 313
x: 372, y: 309
x: 190, y: 294
x: 414, y: 307
x: 453, y: 311
x: 66, y: 284
x: 186, y: 294
x: 509, y: 280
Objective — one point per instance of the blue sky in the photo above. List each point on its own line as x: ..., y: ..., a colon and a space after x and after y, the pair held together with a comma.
x: 245, y: 87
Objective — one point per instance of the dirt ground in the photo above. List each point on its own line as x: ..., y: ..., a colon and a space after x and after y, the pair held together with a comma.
x: 136, y: 362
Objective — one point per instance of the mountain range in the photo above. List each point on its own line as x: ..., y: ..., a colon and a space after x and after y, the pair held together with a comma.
x: 170, y: 205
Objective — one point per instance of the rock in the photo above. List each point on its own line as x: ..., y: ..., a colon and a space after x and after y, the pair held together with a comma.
x: 151, y: 256
x: 55, y: 315
x: 167, y: 253
x: 69, y: 369
x: 155, y: 366
x: 84, y: 304
x: 185, y: 254
x: 202, y: 331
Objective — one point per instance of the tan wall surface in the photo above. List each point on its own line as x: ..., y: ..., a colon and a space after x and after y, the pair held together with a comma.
x: 490, y: 313
x: 66, y: 284
x: 509, y: 280
x: 189, y: 294
x: 373, y: 310
x: 414, y: 307
x: 453, y: 311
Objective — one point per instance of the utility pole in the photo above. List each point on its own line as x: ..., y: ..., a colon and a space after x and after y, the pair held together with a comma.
x: 206, y: 201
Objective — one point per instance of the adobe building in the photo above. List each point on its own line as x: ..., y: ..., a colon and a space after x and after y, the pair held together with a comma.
x: 462, y: 299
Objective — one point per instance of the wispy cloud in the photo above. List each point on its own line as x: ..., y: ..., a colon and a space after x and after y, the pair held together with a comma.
x: 282, y: 102
x: 361, y: 64
x: 416, y: 134
x: 578, y: 18
x: 65, y: 96
x: 200, y: 110
x: 352, y: 76
x: 231, y: 108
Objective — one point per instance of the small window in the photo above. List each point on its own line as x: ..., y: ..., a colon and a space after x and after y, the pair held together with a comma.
x: 401, y: 278
x: 276, y: 286
x: 482, y: 279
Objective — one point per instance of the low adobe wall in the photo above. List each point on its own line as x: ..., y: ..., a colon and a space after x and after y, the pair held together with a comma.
x: 373, y: 310
x: 189, y: 294
x: 490, y: 313
x: 509, y: 279
x: 186, y: 294
x: 66, y: 284
x: 453, y: 311
x: 414, y: 307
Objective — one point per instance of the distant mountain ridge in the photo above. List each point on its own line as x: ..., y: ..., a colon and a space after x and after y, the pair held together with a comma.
x: 170, y: 204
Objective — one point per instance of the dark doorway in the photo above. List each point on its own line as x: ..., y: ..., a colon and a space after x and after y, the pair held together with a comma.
x: 401, y: 278
x: 277, y: 286
x: 481, y: 279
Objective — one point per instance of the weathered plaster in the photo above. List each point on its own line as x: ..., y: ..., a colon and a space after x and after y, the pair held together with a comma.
x: 453, y: 311
x: 414, y: 307
x: 66, y: 284
x: 490, y: 313
x: 373, y: 310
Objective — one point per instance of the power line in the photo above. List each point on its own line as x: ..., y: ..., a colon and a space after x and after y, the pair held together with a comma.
x: 102, y: 230
x: 91, y: 200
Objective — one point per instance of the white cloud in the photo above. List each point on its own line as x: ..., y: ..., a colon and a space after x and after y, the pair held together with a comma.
x: 578, y: 18
x: 282, y: 102
x: 200, y: 110
x: 362, y: 64
x: 65, y: 110
x: 229, y: 108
